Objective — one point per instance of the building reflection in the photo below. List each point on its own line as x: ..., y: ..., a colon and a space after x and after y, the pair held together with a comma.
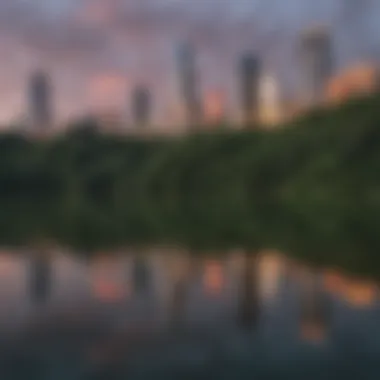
x: 361, y: 293
x: 248, y: 306
x: 178, y: 302
x: 181, y: 276
x: 141, y: 274
x: 213, y: 277
x: 107, y: 279
x: 41, y: 276
x: 355, y: 292
x: 271, y: 269
x: 315, y: 308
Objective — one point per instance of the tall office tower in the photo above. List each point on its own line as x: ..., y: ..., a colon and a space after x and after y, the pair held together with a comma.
x: 141, y: 106
x: 189, y: 82
x: 270, y: 112
x: 249, y: 76
x: 40, y: 101
x: 316, y: 64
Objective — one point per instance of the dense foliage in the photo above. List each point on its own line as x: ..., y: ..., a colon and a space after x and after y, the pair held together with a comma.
x: 308, y: 185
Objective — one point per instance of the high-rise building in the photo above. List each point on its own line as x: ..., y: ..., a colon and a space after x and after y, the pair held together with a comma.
x: 141, y: 106
x: 188, y: 77
x: 40, y: 101
x: 270, y: 111
x: 249, y: 76
x: 316, y: 64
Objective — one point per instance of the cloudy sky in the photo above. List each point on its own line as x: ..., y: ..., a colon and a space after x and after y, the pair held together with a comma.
x: 97, y: 50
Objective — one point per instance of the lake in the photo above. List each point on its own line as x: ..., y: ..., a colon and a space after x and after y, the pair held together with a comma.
x: 167, y: 312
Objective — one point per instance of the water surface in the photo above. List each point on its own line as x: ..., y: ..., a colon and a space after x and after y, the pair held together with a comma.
x: 170, y: 313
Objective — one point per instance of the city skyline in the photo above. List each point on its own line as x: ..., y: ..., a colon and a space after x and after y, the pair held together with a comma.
x: 98, y: 50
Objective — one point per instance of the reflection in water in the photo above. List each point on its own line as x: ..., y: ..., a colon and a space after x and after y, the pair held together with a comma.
x: 141, y: 274
x: 40, y: 273
x: 271, y: 273
x: 181, y: 275
x: 179, y: 302
x: 107, y: 279
x: 315, y: 308
x: 213, y: 280
x: 359, y: 293
x: 249, y: 302
x: 160, y: 311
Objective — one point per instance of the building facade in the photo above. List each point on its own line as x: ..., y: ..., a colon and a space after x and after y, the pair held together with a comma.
x: 316, y: 65
x: 189, y: 85
x: 40, y: 101
x: 141, y: 106
x: 249, y: 88
x: 270, y: 105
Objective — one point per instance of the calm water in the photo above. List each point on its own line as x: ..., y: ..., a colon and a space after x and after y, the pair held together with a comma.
x: 165, y: 313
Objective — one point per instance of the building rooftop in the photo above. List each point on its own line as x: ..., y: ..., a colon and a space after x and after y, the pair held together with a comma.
x: 316, y: 31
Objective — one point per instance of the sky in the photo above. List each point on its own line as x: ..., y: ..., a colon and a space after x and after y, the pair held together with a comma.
x: 96, y: 51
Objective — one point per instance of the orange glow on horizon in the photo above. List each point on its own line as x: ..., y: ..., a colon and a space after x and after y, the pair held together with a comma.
x: 361, y: 79
x: 214, y: 106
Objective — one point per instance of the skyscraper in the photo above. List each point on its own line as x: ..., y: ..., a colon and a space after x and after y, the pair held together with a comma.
x: 249, y: 76
x: 269, y: 102
x: 316, y: 64
x: 188, y: 77
x: 141, y: 106
x: 40, y: 101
